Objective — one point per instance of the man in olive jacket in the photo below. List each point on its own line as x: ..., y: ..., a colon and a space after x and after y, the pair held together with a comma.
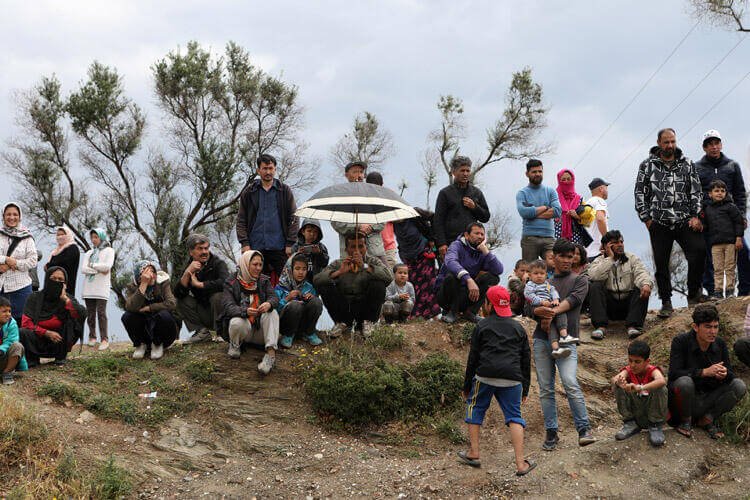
x: 620, y: 287
x: 353, y: 288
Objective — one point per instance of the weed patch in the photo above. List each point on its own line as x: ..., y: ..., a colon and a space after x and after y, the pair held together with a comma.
x: 100, y: 368
x: 201, y: 370
x: 112, y: 481
x: 386, y: 338
x: 736, y: 423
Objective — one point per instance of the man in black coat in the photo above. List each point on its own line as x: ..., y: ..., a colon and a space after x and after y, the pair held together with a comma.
x: 715, y: 165
x: 458, y: 205
x: 200, y: 288
x: 266, y: 220
x: 702, y: 386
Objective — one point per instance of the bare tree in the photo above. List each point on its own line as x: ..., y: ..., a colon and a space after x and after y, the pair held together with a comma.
x: 429, y: 172
x: 513, y: 136
x: 366, y: 142
x: 678, y: 269
x: 726, y: 13
x: 500, y: 228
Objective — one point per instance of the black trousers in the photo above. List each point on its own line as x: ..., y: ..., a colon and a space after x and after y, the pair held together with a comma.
x: 694, y: 246
x: 150, y: 328
x: 299, y: 318
x: 742, y: 350
x: 605, y: 307
x: 454, y: 295
x: 686, y: 402
x: 364, y: 307
x: 37, y: 346
x: 273, y: 260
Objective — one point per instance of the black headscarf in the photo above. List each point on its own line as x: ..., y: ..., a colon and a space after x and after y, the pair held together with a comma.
x: 45, y: 303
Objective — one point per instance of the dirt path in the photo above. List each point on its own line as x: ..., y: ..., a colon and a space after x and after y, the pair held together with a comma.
x: 253, y: 437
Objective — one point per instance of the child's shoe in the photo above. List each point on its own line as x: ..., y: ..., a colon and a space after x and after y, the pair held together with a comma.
x: 8, y: 378
x: 286, y: 341
x: 313, y: 339
x: 560, y: 352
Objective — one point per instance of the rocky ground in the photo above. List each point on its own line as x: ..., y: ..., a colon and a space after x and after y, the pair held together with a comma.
x: 252, y: 437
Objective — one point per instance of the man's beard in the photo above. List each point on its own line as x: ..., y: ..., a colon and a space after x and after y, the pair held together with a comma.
x: 536, y: 180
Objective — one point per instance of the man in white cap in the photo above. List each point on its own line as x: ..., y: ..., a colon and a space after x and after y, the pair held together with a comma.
x: 715, y: 165
x: 598, y: 202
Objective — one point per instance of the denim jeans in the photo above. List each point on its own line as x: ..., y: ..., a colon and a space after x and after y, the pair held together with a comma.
x: 545, y: 374
x: 17, y: 302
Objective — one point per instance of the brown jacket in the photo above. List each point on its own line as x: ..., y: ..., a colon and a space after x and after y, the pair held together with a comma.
x: 620, y: 277
x: 163, y: 298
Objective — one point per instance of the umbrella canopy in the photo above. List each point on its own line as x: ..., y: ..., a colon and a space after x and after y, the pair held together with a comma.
x: 356, y: 203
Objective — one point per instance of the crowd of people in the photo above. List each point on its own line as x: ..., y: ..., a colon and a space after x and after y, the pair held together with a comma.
x: 435, y: 265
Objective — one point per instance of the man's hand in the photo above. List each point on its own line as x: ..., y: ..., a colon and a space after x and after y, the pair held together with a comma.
x: 144, y: 309
x: 547, y: 214
x: 4, y: 268
x: 357, y: 262
x: 717, y: 371
x: 293, y: 295
x: 53, y: 336
x: 619, y: 380
x: 608, y: 252
x: 482, y: 247
x: 252, y: 312
x: 194, y: 267
x: 365, y: 228
x: 629, y: 388
x: 473, y: 290
x: 442, y: 249
x: 195, y: 283
x: 288, y: 251
x: 738, y: 244
x: 346, y: 267
x: 555, y: 302
x: 645, y: 292
x: 544, y: 312
x: 695, y: 224
x: 468, y: 203
x: 546, y: 303
x: 246, y: 248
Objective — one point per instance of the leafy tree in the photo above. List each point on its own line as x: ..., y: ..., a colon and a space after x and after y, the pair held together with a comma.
x: 367, y: 142
x: 513, y: 136
x: 727, y: 13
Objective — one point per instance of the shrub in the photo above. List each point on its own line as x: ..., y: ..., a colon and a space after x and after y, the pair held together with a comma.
x: 387, y: 338
x: 736, y: 423
x: 449, y: 430
x: 112, y: 482
x: 100, y: 368
x: 435, y: 382
x: 61, y: 392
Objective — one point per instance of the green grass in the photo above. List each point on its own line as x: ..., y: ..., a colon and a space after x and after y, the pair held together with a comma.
x: 201, y: 370
x: 387, y: 338
x: 736, y: 423
x: 102, y: 368
x: 447, y: 429
x: 112, y: 481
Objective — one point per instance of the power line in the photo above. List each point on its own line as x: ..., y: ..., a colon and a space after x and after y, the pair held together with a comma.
x: 632, y: 100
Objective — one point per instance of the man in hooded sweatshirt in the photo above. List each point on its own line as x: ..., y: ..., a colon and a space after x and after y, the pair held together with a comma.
x: 668, y: 201
x: 716, y: 165
x: 469, y: 270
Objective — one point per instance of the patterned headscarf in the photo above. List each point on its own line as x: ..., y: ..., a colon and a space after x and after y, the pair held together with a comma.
x: 14, y: 232
x: 287, y: 275
x: 247, y: 280
x: 138, y: 269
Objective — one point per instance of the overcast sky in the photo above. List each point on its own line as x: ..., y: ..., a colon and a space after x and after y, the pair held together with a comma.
x: 395, y: 58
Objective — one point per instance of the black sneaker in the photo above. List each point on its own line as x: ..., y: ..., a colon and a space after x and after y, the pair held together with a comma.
x: 655, y: 435
x: 585, y: 437
x: 551, y: 440
x: 629, y: 428
x: 696, y: 299
x: 666, y: 309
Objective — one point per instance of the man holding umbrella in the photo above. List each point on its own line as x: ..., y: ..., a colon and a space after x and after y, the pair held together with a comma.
x: 353, y: 287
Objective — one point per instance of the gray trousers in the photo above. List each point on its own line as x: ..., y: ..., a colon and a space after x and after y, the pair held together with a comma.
x: 645, y: 410
x: 264, y: 332
x: 534, y: 247
x: 97, y: 309
x: 687, y: 402
x: 197, y: 315
x: 395, y: 311
x: 15, y: 349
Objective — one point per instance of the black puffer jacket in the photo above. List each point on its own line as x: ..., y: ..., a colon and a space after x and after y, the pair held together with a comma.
x: 727, y: 170
x: 723, y: 221
x: 668, y: 196
x: 452, y: 217
x: 499, y: 349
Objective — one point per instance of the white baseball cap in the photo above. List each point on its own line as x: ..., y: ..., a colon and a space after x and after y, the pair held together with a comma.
x: 711, y: 134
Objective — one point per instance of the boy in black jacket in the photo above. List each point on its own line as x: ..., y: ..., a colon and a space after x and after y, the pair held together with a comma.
x: 499, y: 365
x: 725, y: 226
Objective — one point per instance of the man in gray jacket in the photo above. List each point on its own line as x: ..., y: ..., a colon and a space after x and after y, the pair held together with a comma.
x: 620, y: 287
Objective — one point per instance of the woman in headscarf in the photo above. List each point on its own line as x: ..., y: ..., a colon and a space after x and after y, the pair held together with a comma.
x: 150, y: 316
x: 249, y: 310
x: 17, y: 258
x: 569, y: 200
x: 67, y: 256
x: 52, y: 320
x: 97, y: 282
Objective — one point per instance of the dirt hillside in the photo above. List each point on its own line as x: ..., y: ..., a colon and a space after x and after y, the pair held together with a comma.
x: 218, y: 430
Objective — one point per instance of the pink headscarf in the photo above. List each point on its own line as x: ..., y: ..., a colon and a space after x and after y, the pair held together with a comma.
x: 569, y: 200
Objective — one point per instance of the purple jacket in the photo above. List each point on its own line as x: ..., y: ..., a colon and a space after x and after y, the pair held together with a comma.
x: 464, y: 262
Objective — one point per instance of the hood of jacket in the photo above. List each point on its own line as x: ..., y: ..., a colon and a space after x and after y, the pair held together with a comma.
x: 653, y: 153
x: 309, y: 222
x: 719, y: 162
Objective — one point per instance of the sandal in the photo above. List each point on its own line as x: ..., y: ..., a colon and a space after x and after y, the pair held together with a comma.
x: 531, y: 467
x: 713, y: 431
x: 464, y: 459
x: 685, y: 429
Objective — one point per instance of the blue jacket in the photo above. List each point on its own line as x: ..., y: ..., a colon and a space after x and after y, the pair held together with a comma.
x: 527, y: 200
x: 464, y: 262
x: 282, y: 292
x: 9, y: 335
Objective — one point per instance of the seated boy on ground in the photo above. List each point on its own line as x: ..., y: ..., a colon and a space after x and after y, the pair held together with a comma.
x: 299, y: 306
x: 641, y: 394
x: 399, y: 296
x: 11, y: 350
x: 539, y: 292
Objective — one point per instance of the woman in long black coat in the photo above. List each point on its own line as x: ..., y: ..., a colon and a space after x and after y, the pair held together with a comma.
x: 67, y: 256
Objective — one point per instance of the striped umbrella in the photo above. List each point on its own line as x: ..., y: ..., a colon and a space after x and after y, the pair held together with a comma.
x: 356, y: 203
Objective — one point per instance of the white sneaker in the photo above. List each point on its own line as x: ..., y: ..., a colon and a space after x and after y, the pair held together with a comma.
x: 139, y: 352
x: 234, y: 351
x: 91, y: 342
x: 200, y: 336
x: 104, y: 345
x: 560, y: 352
x: 337, y: 330
x: 157, y: 351
x: 568, y: 340
x: 367, y: 328
x: 265, y: 366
